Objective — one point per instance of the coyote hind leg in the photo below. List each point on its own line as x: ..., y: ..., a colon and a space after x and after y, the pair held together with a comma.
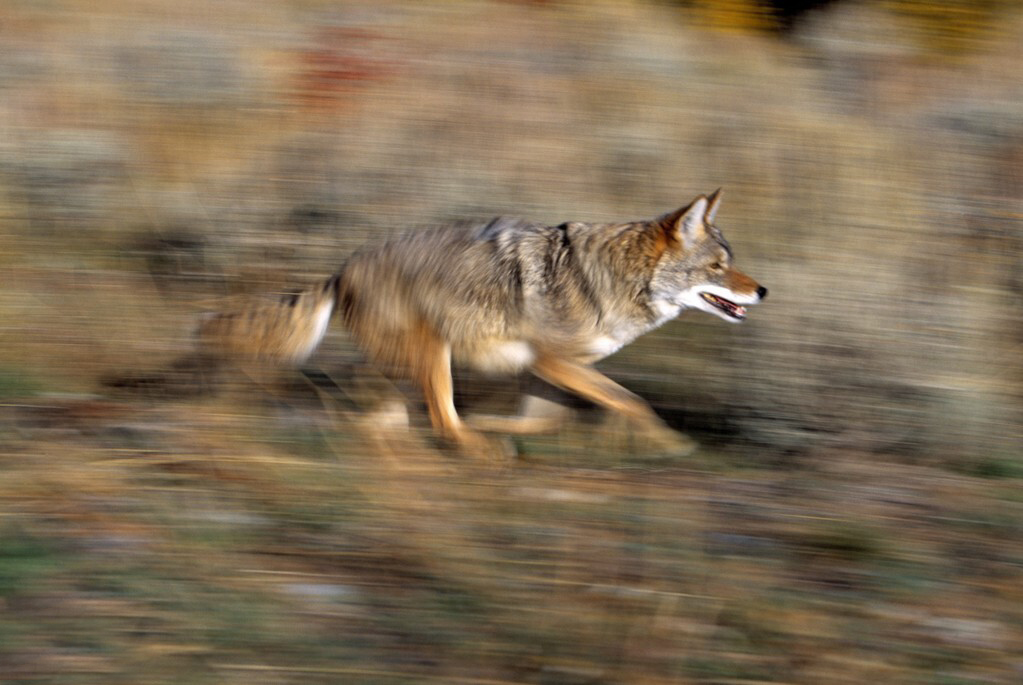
x: 432, y: 366
x: 543, y: 409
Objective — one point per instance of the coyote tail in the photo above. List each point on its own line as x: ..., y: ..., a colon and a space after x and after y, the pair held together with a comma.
x: 283, y: 331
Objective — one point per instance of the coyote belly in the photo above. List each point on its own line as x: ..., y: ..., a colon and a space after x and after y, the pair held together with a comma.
x: 505, y: 296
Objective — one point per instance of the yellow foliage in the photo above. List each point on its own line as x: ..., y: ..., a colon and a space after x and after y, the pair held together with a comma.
x: 951, y: 26
x: 735, y: 15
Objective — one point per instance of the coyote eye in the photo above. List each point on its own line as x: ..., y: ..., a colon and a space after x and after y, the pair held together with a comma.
x: 716, y: 266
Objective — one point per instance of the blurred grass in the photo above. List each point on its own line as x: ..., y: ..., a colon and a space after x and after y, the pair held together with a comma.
x: 16, y: 383
x: 222, y: 555
x: 854, y: 514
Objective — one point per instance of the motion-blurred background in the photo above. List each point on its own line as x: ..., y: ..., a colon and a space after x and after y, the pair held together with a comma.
x: 855, y: 514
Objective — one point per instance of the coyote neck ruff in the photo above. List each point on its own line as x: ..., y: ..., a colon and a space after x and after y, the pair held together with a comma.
x: 505, y: 296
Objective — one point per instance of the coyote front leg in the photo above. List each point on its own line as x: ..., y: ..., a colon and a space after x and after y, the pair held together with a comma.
x: 594, y: 386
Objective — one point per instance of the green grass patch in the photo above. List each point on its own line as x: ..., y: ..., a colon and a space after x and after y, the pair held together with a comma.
x: 997, y: 466
x: 15, y: 384
x: 25, y: 560
x: 843, y: 540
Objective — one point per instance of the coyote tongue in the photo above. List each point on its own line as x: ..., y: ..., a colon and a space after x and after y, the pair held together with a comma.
x: 733, y: 310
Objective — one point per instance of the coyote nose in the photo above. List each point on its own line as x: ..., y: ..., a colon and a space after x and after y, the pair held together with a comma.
x: 762, y: 292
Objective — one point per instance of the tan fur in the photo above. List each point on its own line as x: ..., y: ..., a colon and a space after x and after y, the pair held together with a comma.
x: 502, y: 297
x: 283, y: 331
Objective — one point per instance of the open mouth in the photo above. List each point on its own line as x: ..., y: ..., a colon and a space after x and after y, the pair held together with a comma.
x: 730, y: 308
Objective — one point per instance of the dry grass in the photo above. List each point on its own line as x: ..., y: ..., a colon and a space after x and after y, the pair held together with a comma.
x: 200, y: 544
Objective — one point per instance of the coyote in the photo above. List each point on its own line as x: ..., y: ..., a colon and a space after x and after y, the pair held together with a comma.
x: 501, y: 297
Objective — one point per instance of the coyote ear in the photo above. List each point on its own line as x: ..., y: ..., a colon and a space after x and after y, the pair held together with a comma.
x: 689, y: 222
x: 713, y: 201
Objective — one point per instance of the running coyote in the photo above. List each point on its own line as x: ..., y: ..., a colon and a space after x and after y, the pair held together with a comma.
x: 504, y: 296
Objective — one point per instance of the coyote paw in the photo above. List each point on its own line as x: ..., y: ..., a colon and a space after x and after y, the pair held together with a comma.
x: 648, y: 438
x: 664, y: 441
x: 481, y: 447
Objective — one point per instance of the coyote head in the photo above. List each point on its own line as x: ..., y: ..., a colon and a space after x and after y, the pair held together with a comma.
x: 695, y: 268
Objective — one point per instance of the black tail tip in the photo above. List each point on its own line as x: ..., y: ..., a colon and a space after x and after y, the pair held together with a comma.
x: 762, y: 292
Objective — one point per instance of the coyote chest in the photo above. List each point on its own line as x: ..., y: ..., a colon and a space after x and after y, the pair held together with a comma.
x: 495, y: 356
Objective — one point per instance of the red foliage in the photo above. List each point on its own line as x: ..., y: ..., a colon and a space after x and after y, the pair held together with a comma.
x: 341, y: 61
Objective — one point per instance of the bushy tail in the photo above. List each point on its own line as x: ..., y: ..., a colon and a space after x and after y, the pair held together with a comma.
x: 280, y: 331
